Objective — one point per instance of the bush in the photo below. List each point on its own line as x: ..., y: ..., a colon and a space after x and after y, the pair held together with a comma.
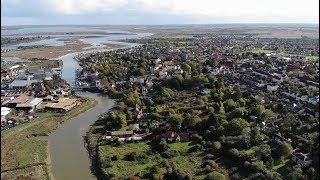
x: 217, y: 145
x: 215, y: 176
x: 212, y: 164
x: 209, y: 157
x: 208, y: 169
x: 196, y: 147
x: 134, y: 156
x: 169, y: 154
x: 114, y: 158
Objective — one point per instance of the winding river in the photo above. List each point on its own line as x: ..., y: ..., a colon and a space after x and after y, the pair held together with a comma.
x: 69, y: 159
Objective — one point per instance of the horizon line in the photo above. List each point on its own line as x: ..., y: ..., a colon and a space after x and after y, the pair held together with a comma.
x: 251, y: 23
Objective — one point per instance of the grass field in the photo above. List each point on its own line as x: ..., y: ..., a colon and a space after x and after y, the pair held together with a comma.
x: 22, y: 154
x: 312, y: 58
x: 259, y: 51
x: 122, y: 168
x: 181, y: 146
x: 280, y: 164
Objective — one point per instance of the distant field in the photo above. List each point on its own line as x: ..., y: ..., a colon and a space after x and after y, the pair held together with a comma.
x: 285, y: 33
x: 312, y: 58
x: 259, y: 51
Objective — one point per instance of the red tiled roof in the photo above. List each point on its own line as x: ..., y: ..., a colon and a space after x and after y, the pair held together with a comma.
x: 22, y: 99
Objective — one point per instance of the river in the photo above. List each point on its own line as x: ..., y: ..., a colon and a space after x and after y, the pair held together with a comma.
x: 69, y: 159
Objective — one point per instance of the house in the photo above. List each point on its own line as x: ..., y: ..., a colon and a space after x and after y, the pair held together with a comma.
x: 171, y: 136
x: 253, y: 118
x: 48, y: 98
x: 137, y: 112
x: 301, y: 159
x: 279, y: 139
x: 4, y: 112
x: 137, y: 80
x: 30, y: 105
x: 206, y: 91
x: 18, y: 100
x: 314, y: 100
x: 135, y: 127
x: 156, y: 61
x: 144, y: 91
x: 121, y: 133
x: 122, y: 136
x: 272, y: 88
x: 21, y: 84
x: 63, y: 104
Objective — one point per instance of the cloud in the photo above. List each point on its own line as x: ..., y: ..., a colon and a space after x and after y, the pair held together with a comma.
x: 229, y: 8
x: 171, y: 11
x: 85, y: 6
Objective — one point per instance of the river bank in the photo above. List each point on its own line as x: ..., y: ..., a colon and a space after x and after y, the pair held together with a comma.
x: 47, y: 51
x: 23, y: 153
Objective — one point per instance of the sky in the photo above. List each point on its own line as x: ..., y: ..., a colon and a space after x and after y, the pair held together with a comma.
x: 53, y: 12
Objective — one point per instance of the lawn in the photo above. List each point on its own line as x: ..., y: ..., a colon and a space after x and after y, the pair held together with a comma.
x: 280, y: 164
x: 312, y: 58
x: 122, y: 150
x: 181, y: 146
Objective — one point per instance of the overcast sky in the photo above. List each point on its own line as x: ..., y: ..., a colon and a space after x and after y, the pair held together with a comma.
x: 30, y: 12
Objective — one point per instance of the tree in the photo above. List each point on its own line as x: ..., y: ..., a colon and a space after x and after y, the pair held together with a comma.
x: 191, y: 120
x: 114, y: 120
x: 162, y: 146
x: 285, y: 149
x: 242, y: 102
x: 296, y: 173
x: 176, y: 81
x: 263, y: 151
x: 201, y: 79
x: 186, y: 68
x: 257, y: 166
x: 235, y: 126
x: 133, y: 99
x: 230, y: 105
x: 239, y: 112
x: 289, y: 119
x: 256, y: 137
x: 175, y: 120
x: 215, y: 176
x: 269, y: 115
x: 258, y: 110
x: 166, y: 92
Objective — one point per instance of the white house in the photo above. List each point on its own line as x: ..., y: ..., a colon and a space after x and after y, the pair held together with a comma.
x: 272, y: 88
x: 4, y: 112
x: 301, y: 159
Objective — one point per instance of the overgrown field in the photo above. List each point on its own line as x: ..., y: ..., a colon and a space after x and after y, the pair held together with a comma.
x: 118, y: 164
